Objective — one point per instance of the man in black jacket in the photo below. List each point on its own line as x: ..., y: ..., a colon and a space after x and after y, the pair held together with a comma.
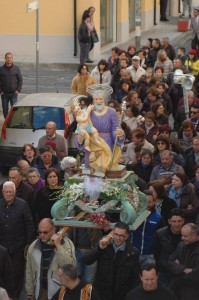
x: 150, y: 287
x: 117, y: 264
x: 10, y: 83
x: 83, y: 37
x: 184, y: 264
x: 165, y: 243
x: 16, y: 230
x: 6, y: 272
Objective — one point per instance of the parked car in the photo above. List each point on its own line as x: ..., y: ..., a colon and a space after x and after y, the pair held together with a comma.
x: 26, y: 122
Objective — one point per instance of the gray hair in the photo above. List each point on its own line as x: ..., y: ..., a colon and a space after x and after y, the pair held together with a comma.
x: 70, y: 271
x: 31, y: 170
x: 167, y: 152
x: 9, y: 183
x: 193, y: 227
x: 67, y: 162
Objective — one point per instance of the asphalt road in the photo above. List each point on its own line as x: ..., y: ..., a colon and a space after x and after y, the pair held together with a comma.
x: 50, y: 79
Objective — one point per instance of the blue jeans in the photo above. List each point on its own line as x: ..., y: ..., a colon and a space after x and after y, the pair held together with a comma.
x: 6, y: 98
x: 87, y: 272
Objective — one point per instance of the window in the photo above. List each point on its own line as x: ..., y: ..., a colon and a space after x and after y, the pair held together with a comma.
x: 36, y: 117
x: 107, y: 21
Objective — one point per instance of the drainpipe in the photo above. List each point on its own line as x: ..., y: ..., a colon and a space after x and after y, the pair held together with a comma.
x: 179, y: 6
x: 75, y: 28
x: 137, y: 23
x: 154, y: 16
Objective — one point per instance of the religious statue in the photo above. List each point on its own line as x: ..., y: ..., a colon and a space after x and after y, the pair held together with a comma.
x: 105, y: 120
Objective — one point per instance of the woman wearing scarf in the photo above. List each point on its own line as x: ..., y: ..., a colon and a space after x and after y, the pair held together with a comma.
x: 182, y: 192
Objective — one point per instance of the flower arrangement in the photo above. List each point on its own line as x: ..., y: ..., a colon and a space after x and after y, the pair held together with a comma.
x: 94, y: 188
x: 107, y: 193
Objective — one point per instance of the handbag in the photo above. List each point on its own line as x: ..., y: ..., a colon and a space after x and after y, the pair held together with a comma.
x: 94, y: 36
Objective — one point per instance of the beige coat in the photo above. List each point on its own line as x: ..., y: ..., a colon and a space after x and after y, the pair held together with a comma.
x: 80, y: 83
x: 65, y: 254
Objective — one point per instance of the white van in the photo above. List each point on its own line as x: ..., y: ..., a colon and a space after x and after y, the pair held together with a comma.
x: 26, y: 122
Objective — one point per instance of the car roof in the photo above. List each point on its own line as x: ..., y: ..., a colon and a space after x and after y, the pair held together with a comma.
x: 47, y: 99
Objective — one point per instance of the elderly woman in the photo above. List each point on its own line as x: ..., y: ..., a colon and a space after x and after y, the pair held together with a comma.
x: 34, y: 179
x: 69, y: 166
x: 46, y: 160
x: 82, y: 80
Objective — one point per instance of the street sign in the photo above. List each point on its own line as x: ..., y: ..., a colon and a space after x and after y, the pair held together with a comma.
x: 32, y: 6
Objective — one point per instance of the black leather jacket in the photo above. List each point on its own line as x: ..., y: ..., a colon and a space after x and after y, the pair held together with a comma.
x: 16, y: 225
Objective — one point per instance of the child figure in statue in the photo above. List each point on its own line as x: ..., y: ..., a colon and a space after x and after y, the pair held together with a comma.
x: 85, y: 124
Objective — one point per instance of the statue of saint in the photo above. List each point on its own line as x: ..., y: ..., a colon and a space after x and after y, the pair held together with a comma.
x: 105, y: 120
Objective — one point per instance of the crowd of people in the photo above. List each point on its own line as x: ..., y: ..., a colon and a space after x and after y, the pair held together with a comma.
x: 161, y: 257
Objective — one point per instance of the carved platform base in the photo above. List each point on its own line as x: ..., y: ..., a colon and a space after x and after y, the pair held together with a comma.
x: 117, y: 173
x: 86, y: 171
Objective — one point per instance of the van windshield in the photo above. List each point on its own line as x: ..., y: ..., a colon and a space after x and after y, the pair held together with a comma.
x: 27, y: 117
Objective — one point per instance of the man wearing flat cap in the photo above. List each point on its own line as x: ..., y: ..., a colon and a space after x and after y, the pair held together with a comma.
x: 136, y: 70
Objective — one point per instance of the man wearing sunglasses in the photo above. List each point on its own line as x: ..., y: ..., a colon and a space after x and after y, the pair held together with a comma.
x: 45, y: 255
x: 117, y: 264
x: 194, y: 116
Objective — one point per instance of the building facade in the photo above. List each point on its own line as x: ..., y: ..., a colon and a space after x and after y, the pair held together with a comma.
x: 115, y: 21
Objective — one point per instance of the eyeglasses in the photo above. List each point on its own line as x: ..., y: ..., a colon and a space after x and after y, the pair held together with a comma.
x: 189, y: 129
x: 194, y: 112
x: 44, y: 232
x: 160, y: 143
x: 119, y: 236
x: 47, y: 155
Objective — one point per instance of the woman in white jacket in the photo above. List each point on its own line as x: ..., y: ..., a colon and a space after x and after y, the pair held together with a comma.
x: 101, y: 72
